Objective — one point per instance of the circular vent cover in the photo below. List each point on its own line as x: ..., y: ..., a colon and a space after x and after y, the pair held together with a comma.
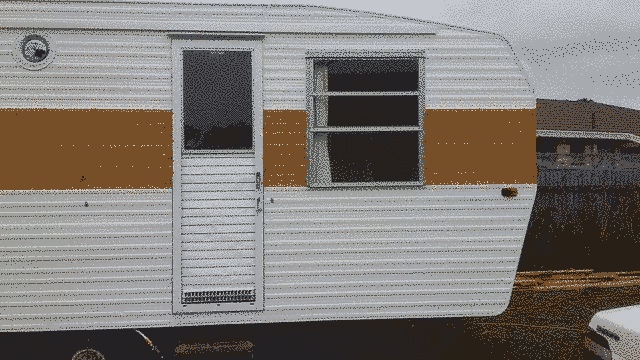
x: 35, y: 48
x: 33, y: 52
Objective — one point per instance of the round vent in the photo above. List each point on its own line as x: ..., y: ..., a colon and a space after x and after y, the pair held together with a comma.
x: 33, y: 51
x: 35, y: 48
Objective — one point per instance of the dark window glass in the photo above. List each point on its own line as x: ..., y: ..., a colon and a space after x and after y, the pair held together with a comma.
x: 217, y: 108
x: 372, y: 75
x: 373, y: 156
x: 373, y: 111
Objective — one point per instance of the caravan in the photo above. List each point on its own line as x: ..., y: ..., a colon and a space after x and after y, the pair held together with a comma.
x: 174, y: 164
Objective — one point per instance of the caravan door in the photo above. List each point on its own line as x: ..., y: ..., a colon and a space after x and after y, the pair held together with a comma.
x: 217, y: 182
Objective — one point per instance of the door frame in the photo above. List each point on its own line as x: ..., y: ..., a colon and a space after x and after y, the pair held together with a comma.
x: 214, y: 42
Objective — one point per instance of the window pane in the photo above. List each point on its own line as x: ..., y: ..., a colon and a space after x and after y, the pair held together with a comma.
x: 373, y: 111
x: 380, y: 156
x: 373, y: 75
x: 217, y: 108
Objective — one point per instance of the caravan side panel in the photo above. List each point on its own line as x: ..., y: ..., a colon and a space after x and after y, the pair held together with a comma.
x: 449, y: 248
x: 439, y: 251
x: 84, y: 259
x: 91, y: 70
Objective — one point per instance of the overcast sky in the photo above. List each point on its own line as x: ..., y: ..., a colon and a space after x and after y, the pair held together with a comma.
x: 571, y: 49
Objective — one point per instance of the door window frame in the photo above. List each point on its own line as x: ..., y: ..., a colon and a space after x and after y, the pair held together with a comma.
x: 223, y: 44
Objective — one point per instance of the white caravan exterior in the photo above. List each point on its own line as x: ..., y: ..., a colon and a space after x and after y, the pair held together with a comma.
x: 111, y: 217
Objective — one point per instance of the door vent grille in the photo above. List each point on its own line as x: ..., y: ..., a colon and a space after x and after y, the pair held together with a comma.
x: 218, y: 296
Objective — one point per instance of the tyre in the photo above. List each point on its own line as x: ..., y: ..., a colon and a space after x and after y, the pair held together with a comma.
x: 105, y: 345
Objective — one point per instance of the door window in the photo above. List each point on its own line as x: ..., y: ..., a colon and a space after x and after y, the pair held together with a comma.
x: 217, y: 100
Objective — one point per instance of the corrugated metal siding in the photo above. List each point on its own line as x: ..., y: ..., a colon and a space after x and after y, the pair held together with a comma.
x: 464, y: 70
x: 71, y: 257
x: 125, y: 69
x: 112, y: 70
x: 329, y: 254
x: 218, y: 224
x: 341, y: 252
x: 221, y: 18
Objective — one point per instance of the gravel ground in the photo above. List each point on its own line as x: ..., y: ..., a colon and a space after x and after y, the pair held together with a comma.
x: 546, y: 319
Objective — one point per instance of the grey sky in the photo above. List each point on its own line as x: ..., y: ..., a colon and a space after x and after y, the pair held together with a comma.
x: 571, y: 49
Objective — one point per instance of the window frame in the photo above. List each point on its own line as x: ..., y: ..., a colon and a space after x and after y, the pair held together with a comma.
x: 220, y: 44
x: 252, y: 70
x: 319, y: 173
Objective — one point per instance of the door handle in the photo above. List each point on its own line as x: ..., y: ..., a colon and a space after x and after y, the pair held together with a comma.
x: 258, y: 180
x: 258, y: 206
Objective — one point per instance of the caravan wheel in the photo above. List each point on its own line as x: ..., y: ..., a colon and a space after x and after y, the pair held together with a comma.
x: 108, y: 345
x: 88, y: 354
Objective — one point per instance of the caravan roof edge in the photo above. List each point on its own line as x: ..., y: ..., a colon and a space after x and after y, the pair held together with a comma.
x: 206, y: 17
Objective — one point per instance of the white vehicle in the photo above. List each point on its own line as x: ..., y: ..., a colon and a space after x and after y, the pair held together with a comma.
x: 615, y: 334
